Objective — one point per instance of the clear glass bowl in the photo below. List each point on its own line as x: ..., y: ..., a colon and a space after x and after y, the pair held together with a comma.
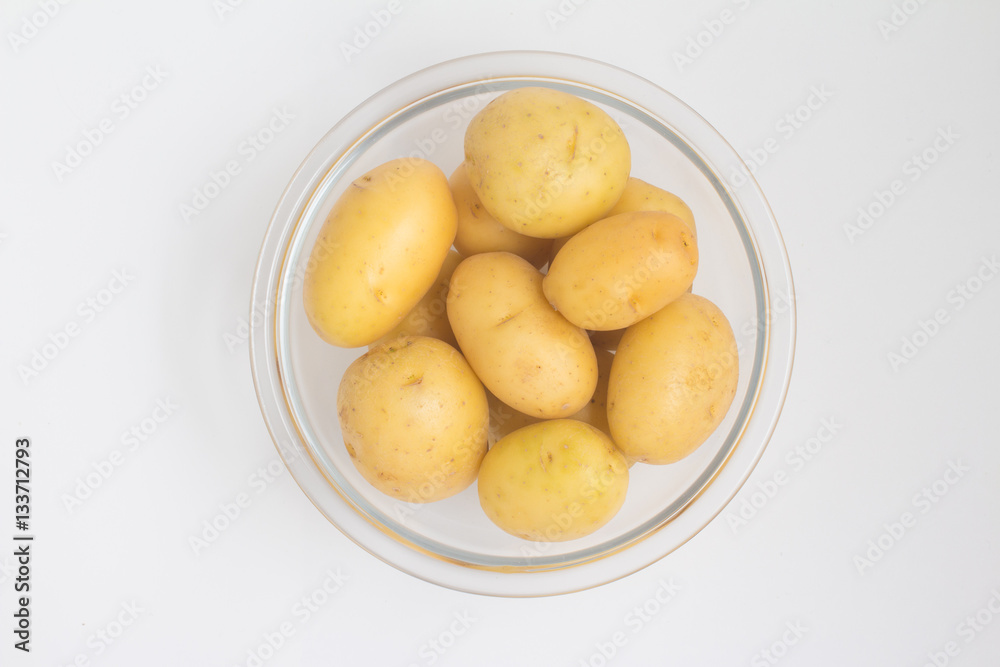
x: 743, y: 269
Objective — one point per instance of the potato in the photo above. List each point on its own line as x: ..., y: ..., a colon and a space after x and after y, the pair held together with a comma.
x: 546, y: 163
x: 479, y: 232
x: 379, y: 252
x: 525, y: 352
x: 672, y: 381
x: 414, y: 418
x: 622, y: 269
x: 504, y: 419
x: 641, y: 196
x: 430, y: 316
x: 553, y: 481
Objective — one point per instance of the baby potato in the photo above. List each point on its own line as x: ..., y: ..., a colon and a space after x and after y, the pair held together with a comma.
x: 672, y: 381
x: 546, y: 163
x: 378, y: 252
x: 430, y: 316
x: 505, y: 419
x: 641, y: 196
x: 479, y: 232
x: 525, y: 352
x: 622, y: 269
x: 553, y: 481
x: 415, y: 418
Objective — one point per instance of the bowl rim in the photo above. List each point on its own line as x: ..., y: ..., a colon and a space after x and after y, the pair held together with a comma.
x: 273, y: 271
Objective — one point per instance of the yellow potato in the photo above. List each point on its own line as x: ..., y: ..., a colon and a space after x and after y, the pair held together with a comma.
x: 379, y: 251
x: 479, y: 232
x: 430, y: 316
x: 505, y: 419
x: 641, y: 196
x: 525, y: 352
x: 622, y: 269
x: 546, y: 163
x: 672, y: 381
x: 553, y: 481
x: 415, y: 419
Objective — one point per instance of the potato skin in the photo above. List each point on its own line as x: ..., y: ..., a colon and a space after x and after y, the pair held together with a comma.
x: 525, y: 352
x: 378, y: 252
x: 414, y: 418
x: 672, y: 381
x: 622, y: 269
x: 430, y: 316
x: 553, y: 481
x: 642, y: 196
x: 504, y: 419
x: 546, y: 163
x: 479, y: 232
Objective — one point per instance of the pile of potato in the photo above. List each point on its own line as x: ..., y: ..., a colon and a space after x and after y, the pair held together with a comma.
x: 543, y: 386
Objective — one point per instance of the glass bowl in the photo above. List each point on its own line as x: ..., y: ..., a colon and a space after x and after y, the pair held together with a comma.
x: 743, y: 269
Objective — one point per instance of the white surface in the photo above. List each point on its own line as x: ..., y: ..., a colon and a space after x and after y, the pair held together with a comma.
x: 175, y: 333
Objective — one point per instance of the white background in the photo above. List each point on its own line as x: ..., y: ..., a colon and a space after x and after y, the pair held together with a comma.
x: 172, y: 333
